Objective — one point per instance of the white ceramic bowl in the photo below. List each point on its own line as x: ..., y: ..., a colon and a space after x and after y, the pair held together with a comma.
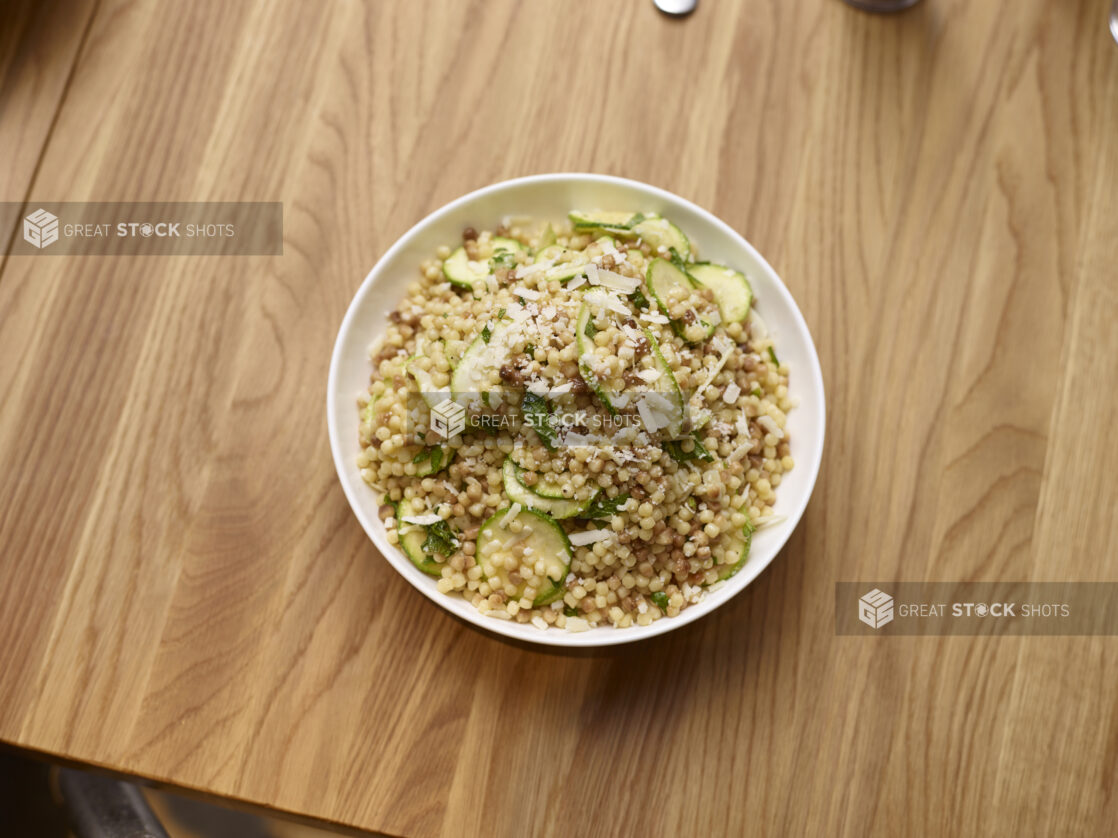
x: 550, y: 197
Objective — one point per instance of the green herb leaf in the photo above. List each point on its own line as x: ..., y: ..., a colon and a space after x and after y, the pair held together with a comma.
x: 501, y: 314
x: 590, y: 329
x: 530, y: 351
x: 434, y: 455
x: 638, y: 299
x: 605, y: 507
x: 660, y: 600
x: 772, y: 354
x: 486, y: 334
x: 440, y: 539
x: 537, y: 414
x: 699, y: 452
x: 570, y: 612
x: 756, y: 391
x: 502, y: 259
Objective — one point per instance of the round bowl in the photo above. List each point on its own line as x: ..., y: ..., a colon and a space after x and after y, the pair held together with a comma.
x: 551, y: 197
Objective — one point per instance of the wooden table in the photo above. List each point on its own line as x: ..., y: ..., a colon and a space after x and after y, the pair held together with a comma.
x: 187, y: 597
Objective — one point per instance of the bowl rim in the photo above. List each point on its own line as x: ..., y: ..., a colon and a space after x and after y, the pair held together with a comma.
x: 520, y: 631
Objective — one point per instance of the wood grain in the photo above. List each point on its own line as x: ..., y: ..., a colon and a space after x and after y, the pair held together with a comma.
x: 188, y: 598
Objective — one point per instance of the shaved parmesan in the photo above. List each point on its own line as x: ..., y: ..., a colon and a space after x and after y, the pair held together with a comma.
x: 581, y: 539
x: 422, y: 520
x: 769, y: 424
x: 514, y: 510
x: 647, y: 416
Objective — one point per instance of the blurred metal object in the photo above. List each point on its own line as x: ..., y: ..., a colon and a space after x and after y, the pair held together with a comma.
x: 100, y: 807
x: 882, y: 5
x: 676, y: 7
x: 1114, y: 20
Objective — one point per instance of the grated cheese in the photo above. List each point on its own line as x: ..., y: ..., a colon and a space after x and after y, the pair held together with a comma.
x: 581, y: 539
x: 422, y: 520
x: 514, y: 510
x: 769, y: 424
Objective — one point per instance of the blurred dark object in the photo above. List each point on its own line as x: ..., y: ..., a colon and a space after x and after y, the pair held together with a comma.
x: 100, y: 807
x: 29, y: 809
x: 882, y: 5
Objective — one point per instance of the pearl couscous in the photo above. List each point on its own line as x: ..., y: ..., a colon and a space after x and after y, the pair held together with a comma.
x: 576, y: 425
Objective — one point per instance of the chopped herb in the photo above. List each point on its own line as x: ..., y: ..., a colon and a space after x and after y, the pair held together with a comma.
x: 660, y: 600
x: 590, y: 329
x: 486, y: 334
x: 699, y: 452
x: 638, y: 299
x: 434, y: 455
x: 530, y: 351
x: 501, y: 314
x: 537, y: 414
x: 569, y: 612
x: 446, y: 314
x: 502, y: 259
x: 605, y: 508
x: 440, y: 539
x: 692, y: 504
x: 756, y: 391
x: 485, y: 398
x: 772, y: 355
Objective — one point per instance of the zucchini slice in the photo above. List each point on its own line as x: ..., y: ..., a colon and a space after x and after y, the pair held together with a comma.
x: 430, y: 394
x: 477, y: 365
x: 557, y: 508
x: 498, y: 547
x: 732, y: 290
x: 667, y: 386
x: 659, y: 232
x: 468, y: 375
x: 511, y: 245
x: 737, y: 548
x: 464, y: 272
x: 568, y: 263
x: 440, y: 457
x: 546, y: 486
x: 412, y: 538
x: 585, y: 344
x: 652, y: 228
x: 675, y: 291
x: 604, y: 220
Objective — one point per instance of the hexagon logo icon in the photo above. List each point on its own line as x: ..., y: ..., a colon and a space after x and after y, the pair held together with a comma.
x: 875, y: 609
x: 448, y: 418
x: 40, y: 229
